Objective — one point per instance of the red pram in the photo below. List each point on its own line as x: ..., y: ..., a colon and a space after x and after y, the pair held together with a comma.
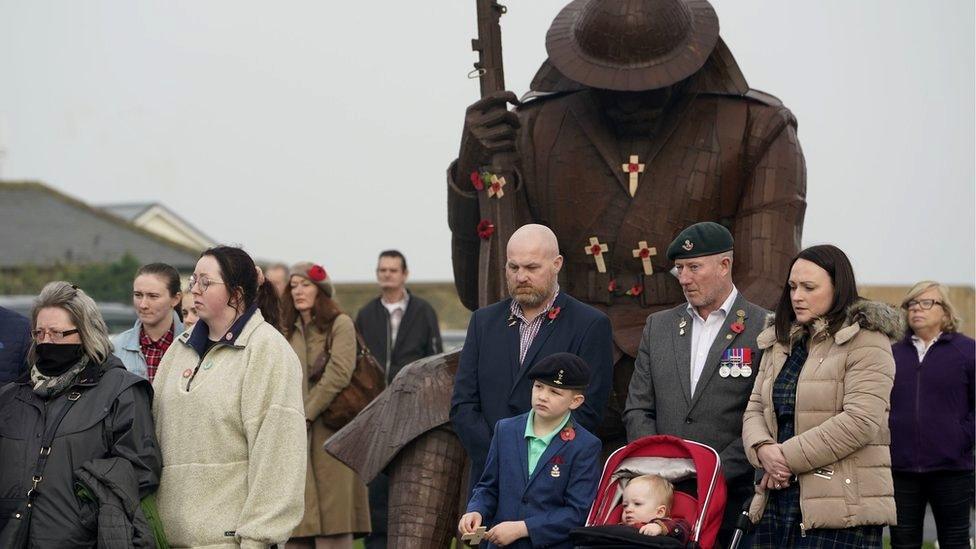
x: 699, y: 496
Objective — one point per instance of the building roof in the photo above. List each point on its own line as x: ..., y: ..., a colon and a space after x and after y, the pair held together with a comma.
x: 42, y: 226
x: 163, y: 221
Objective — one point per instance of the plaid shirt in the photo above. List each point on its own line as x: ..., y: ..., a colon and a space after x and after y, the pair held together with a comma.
x: 153, y: 351
x: 528, y: 329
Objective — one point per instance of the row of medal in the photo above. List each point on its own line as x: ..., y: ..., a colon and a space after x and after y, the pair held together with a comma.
x: 736, y: 362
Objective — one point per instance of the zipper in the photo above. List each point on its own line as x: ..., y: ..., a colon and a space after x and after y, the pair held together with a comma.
x: 803, y: 530
x: 918, y: 396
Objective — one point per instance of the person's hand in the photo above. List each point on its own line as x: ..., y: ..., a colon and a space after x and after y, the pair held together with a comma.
x: 774, y: 462
x: 469, y: 522
x: 769, y: 483
x: 652, y: 529
x: 507, y: 532
x: 491, y: 124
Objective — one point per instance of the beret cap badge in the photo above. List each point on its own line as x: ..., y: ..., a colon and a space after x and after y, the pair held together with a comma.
x: 688, y: 246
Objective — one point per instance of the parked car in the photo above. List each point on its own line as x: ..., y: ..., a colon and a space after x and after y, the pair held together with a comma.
x: 118, y: 317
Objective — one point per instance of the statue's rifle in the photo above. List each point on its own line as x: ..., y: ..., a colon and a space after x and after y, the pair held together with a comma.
x: 495, y: 207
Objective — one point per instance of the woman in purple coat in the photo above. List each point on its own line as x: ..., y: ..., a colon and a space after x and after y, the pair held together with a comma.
x: 931, y: 420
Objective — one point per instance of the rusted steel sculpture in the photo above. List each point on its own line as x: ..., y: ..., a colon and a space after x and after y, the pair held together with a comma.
x: 638, y: 124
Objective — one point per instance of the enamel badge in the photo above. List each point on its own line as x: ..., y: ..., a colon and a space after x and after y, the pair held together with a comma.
x: 554, y: 472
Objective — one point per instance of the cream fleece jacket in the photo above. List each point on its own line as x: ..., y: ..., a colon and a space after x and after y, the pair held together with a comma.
x: 234, y: 445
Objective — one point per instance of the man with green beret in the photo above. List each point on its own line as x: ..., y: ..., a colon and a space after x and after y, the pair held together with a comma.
x: 696, y: 362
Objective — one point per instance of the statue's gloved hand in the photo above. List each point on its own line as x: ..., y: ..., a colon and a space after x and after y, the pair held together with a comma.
x: 492, y: 124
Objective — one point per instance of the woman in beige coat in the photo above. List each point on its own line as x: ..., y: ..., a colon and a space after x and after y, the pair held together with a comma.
x: 336, y: 506
x: 817, y: 420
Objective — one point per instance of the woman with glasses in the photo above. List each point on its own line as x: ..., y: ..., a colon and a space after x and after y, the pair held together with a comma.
x: 336, y: 504
x: 229, y: 415
x: 157, y: 299
x: 75, y: 424
x: 932, y: 426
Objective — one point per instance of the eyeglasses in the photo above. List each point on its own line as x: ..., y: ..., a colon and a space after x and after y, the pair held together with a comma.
x: 203, y: 281
x: 54, y: 335
x: 924, y: 304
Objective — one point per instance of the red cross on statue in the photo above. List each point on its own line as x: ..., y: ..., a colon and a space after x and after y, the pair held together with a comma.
x: 644, y: 254
x: 634, y: 168
x: 597, y: 249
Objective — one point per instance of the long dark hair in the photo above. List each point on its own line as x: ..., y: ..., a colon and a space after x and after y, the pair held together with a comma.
x: 170, y: 276
x: 324, y: 312
x: 241, y: 277
x: 833, y: 260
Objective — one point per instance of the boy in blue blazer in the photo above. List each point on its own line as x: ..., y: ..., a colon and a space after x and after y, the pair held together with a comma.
x: 542, y: 470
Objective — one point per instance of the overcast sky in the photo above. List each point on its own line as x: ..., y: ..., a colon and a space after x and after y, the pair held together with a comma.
x: 310, y: 130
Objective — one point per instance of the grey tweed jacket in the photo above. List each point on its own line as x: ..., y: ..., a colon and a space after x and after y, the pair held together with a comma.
x: 660, y: 401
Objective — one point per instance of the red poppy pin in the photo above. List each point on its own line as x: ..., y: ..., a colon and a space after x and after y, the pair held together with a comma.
x: 737, y: 327
x: 553, y: 313
x: 316, y: 273
x: 476, y: 181
x: 612, y: 286
x: 567, y: 433
x: 635, y: 290
x: 558, y: 460
x: 485, y: 229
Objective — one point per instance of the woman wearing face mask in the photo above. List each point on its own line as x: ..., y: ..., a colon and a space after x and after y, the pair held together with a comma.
x: 79, y: 424
x: 817, y: 422
x: 229, y: 415
x: 336, y: 505
x: 157, y: 298
x: 932, y: 426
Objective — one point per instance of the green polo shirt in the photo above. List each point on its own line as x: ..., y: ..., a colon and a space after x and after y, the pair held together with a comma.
x: 538, y: 445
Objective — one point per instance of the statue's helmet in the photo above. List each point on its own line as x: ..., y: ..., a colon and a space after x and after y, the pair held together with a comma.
x: 632, y: 45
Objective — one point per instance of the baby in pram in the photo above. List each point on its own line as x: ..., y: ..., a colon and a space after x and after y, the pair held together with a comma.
x: 647, y: 503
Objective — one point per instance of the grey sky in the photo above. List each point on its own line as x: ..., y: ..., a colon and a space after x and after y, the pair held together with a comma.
x: 321, y: 130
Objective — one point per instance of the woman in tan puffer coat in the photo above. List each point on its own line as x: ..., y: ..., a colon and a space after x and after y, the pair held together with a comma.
x: 817, y: 420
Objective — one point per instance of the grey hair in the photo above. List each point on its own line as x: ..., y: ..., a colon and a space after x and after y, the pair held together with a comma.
x: 84, y: 314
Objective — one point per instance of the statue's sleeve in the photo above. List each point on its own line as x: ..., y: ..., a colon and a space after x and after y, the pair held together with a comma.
x: 462, y: 218
x: 769, y: 221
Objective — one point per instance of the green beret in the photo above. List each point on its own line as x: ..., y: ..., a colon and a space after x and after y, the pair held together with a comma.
x: 705, y: 238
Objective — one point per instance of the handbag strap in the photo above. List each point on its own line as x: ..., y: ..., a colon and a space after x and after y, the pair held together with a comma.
x: 46, y: 441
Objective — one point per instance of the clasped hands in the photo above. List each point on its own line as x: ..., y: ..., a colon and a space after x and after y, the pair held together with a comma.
x: 503, y: 533
x: 777, y: 473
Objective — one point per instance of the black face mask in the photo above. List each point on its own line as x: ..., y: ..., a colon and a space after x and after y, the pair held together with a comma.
x: 54, y: 359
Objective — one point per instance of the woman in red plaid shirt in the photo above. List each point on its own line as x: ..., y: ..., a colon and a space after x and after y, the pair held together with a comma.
x: 157, y: 299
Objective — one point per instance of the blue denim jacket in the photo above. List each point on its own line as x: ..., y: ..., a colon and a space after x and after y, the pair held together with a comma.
x: 128, y: 350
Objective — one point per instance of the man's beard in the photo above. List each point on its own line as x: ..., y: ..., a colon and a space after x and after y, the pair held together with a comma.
x: 529, y: 296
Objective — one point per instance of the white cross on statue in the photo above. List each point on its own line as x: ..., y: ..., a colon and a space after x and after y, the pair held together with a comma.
x: 597, y: 249
x: 634, y: 167
x: 645, y: 253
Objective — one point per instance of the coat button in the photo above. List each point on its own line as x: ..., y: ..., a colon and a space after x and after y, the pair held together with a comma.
x: 525, y: 500
x: 687, y: 420
x: 847, y: 481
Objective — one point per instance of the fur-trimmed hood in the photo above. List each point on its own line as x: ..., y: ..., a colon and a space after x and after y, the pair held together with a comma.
x: 863, y: 314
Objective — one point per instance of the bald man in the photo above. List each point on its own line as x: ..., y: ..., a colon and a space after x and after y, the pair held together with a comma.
x: 507, y: 338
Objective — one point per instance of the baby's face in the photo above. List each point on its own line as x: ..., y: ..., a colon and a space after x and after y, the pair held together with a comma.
x: 640, y: 505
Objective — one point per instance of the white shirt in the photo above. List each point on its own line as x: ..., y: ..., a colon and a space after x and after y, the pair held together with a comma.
x: 923, y: 347
x: 396, y: 311
x: 703, y: 334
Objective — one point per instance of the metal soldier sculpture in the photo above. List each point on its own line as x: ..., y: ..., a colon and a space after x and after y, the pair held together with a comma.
x: 639, y: 124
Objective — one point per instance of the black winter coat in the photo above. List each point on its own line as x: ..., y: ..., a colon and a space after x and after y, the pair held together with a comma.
x: 111, y: 418
x: 419, y: 335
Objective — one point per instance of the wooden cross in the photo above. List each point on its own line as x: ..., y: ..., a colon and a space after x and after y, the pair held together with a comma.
x: 597, y: 249
x: 645, y: 253
x: 634, y: 167
x: 495, y: 187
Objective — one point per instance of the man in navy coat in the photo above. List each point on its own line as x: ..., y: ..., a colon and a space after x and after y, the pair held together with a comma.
x: 15, y: 341
x: 506, y: 339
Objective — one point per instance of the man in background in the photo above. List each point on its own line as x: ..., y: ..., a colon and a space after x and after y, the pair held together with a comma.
x: 398, y: 327
x: 15, y: 341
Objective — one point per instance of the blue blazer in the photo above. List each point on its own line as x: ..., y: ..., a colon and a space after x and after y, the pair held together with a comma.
x: 15, y: 342
x: 490, y: 385
x: 550, y: 505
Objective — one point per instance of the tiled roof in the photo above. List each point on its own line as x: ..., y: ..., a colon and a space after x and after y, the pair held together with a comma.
x: 41, y: 226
